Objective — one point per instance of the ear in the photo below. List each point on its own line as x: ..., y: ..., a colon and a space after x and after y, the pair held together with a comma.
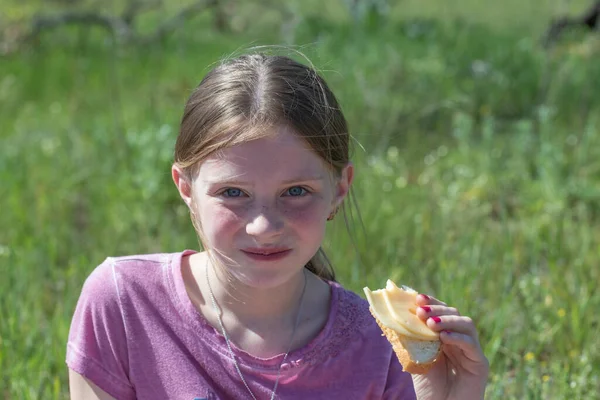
x: 183, y: 184
x: 343, y: 184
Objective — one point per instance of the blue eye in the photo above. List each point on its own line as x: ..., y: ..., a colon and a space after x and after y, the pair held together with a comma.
x: 232, y: 192
x: 296, y: 191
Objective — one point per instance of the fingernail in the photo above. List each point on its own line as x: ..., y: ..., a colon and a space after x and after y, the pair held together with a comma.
x: 426, y: 297
x: 426, y: 309
x: 437, y: 320
x: 447, y: 332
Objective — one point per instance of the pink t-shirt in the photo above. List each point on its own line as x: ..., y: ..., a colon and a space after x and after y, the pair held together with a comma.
x: 136, y: 334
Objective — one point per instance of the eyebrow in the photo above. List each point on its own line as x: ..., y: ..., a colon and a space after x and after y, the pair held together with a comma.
x: 286, y: 182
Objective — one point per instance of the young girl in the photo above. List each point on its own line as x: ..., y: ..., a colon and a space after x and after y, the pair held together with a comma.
x: 262, y: 163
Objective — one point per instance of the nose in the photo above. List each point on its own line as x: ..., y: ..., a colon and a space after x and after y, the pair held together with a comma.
x: 266, y: 223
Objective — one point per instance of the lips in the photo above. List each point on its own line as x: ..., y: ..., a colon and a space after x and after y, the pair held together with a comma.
x: 265, y: 252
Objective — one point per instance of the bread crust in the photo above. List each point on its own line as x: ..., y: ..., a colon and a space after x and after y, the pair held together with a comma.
x: 408, y: 365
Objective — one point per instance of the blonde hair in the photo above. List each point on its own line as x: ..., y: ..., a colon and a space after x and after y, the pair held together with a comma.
x: 243, y: 98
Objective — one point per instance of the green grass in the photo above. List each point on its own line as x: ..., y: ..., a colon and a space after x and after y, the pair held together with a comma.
x: 477, y: 179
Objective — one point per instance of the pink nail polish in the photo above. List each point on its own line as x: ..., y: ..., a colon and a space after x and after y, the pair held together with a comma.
x: 426, y: 309
x: 437, y: 320
x: 426, y: 297
x: 447, y: 332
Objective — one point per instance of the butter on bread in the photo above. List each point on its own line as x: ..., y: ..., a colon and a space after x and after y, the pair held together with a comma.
x: 394, y: 309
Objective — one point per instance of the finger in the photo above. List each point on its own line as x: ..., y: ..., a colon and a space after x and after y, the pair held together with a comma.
x: 454, y: 323
x: 423, y: 300
x: 469, y: 345
x: 427, y: 311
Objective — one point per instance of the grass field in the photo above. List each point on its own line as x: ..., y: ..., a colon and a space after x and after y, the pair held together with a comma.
x: 478, y: 175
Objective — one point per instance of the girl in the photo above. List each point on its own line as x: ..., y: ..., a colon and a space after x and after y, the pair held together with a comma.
x: 262, y: 163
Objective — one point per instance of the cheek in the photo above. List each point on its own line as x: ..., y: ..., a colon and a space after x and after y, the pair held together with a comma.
x: 310, y: 216
x: 217, y: 222
x: 307, y: 225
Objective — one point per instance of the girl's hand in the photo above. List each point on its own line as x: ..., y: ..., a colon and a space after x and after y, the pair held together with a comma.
x: 462, y: 369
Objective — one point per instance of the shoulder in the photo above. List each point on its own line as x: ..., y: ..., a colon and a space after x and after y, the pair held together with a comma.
x: 115, y: 276
x: 113, y: 289
x: 350, y: 328
x: 110, y: 284
x: 353, y: 312
x: 131, y: 267
x: 139, y: 263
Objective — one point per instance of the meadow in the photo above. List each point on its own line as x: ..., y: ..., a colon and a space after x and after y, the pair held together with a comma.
x: 478, y: 174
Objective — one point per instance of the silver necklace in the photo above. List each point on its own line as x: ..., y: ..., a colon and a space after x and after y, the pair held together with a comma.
x: 235, y: 363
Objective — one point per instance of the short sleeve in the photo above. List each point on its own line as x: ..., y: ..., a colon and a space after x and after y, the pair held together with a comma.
x: 97, y: 344
x: 399, y: 385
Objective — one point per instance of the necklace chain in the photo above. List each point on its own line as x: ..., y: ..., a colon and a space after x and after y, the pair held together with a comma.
x: 235, y: 363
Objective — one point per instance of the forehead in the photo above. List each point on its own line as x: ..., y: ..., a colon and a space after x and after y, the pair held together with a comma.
x: 282, y: 154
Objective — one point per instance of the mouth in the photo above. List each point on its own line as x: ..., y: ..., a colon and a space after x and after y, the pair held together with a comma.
x: 266, y: 254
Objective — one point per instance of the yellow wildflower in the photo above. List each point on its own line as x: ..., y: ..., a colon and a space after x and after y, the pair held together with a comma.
x: 572, y: 353
x: 529, y: 356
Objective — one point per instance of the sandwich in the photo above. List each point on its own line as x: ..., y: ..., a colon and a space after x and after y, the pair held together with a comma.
x: 415, y: 344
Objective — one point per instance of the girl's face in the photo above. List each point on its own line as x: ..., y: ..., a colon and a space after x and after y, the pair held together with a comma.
x: 263, y: 206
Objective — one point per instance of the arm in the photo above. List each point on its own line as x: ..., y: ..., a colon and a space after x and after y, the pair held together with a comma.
x: 83, y: 389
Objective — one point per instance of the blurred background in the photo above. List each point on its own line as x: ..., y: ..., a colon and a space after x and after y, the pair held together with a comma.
x: 476, y: 140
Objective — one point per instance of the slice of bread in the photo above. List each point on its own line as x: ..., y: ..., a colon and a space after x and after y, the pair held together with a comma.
x: 416, y: 356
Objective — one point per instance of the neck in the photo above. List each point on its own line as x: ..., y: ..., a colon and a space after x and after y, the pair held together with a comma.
x: 257, y: 304
x: 242, y: 304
